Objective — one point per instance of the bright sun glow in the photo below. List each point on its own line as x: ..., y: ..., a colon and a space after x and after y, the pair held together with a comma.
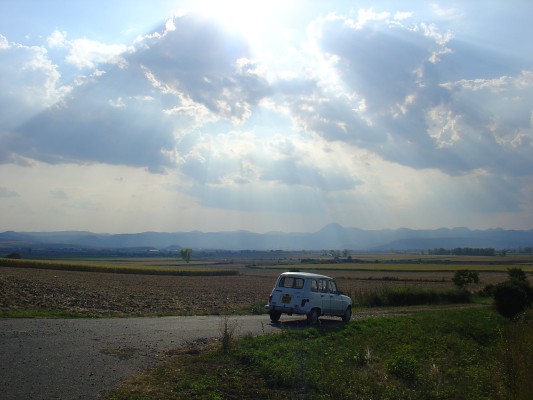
x: 247, y: 17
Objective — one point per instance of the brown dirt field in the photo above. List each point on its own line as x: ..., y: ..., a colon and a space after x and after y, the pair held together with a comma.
x: 107, y: 294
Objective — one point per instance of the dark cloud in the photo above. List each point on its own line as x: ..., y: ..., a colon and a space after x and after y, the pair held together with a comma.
x: 118, y: 117
x: 204, y: 61
x: 382, y: 62
x: 412, y: 96
x: 88, y: 127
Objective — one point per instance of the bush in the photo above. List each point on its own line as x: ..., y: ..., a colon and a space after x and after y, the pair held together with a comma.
x: 511, y: 298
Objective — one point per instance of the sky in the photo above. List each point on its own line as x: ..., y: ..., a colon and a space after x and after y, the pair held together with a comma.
x: 133, y: 116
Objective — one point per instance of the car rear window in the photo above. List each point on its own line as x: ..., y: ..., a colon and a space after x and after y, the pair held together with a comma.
x: 291, y: 282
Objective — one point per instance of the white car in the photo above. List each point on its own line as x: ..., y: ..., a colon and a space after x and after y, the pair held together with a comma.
x: 308, y: 294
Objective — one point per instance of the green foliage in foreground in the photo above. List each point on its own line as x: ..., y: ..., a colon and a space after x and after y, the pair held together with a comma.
x: 461, y: 354
x: 116, y: 268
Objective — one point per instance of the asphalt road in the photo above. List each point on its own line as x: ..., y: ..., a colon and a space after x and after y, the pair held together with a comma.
x: 85, y: 358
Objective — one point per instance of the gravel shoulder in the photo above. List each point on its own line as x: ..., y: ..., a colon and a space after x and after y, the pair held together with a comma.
x: 85, y: 358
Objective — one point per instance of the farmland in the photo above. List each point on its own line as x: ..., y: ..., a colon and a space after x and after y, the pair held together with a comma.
x: 416, y: 356
x: 123, y: 286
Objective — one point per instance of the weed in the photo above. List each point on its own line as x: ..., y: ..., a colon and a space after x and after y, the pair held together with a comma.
x: 227, y: 334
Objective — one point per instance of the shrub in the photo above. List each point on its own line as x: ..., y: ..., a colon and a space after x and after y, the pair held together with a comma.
x: 518, y: 277
x: 510, y: 298
x: 463, y: 277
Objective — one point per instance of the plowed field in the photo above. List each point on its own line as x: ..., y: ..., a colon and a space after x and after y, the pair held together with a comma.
x: 109, y: 294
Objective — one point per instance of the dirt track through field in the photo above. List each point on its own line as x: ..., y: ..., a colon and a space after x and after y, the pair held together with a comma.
x: 84, y: 358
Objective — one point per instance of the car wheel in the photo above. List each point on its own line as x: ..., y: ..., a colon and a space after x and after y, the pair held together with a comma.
x: 275, y: 315
x: 312, y: 317
x: 347, y: 314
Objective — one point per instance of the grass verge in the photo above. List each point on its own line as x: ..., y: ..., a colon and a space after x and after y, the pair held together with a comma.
x: 459, y: 354
x: 44, y: 314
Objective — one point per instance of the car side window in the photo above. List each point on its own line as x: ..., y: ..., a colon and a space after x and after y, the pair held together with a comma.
x: 332, y: 287
x: 286, y: 282
x: 314, y: 285
x: 323, y: 285
x: 290, y: 282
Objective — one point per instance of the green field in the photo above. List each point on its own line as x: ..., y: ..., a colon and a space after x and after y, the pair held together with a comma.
x: 409, y: 263
x: 146, y: 266
x: 395, y: 267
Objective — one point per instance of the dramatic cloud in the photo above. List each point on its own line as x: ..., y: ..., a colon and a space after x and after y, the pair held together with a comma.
x: 296, y: 116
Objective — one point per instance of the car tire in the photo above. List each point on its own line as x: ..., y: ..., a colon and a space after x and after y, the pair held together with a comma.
x: 275, y: 315
x: 347, y: 315
x: 312, y: 317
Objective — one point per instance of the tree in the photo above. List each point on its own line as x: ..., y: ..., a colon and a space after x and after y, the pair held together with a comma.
x: 514, y: 295
x: 186, y: 254
x: 463, y: 278
x: 517, y: 274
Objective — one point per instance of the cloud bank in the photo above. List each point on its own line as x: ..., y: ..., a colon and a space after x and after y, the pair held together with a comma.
x: 365, y: 92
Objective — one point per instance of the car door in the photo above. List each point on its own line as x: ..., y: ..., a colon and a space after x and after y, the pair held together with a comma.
x: 336, y: 304
x: 325, y: 296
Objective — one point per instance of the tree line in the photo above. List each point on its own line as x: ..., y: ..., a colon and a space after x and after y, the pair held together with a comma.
x: 463, y: 251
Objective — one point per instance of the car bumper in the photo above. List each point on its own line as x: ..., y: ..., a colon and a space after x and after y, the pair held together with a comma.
x: 287, y: 309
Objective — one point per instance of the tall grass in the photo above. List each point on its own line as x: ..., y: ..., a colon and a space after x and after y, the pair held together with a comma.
x: 409, y: 296
x: 516, y: 356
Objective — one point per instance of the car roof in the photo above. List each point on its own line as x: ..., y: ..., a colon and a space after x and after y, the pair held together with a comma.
x: 305, y: 275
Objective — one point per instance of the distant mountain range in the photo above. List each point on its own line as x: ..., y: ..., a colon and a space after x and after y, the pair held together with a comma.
x: 331, y: 237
